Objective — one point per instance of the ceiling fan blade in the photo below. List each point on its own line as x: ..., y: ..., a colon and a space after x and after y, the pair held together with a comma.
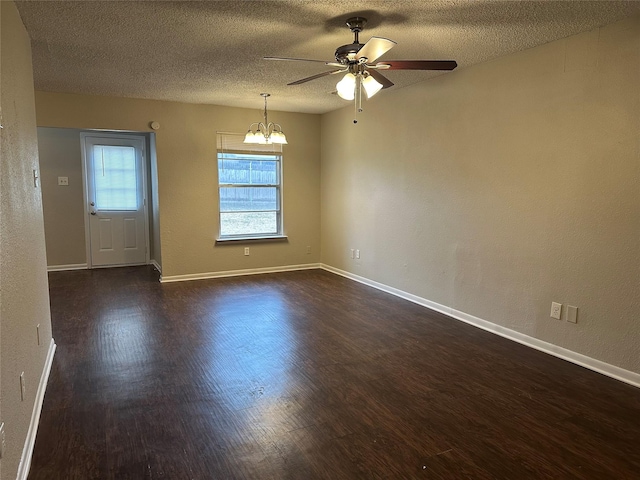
x: 417, y: 65
x: 381, y: 79
x: 375, y: 48
x: 296, y: 59
x: 319, y: 75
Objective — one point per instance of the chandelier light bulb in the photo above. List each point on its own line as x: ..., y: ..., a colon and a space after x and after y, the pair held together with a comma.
x: 250, y: 137
x: 278, y: 137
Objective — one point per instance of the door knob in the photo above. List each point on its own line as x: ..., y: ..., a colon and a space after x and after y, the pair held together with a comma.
x: 93, y: 212
x: 93, y: 204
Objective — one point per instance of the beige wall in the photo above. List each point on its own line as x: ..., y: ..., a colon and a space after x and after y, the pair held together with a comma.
x: 24, y: 297
x: 499, y: 188
x: 187, y: 176
x: 60, y: 156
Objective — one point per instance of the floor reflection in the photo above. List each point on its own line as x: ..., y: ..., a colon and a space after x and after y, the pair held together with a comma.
x: 125, y: 351
x: 250, y: 354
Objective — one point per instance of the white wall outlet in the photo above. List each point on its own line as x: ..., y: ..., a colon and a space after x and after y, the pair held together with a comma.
x: 246, y: 251
x: 36, y: 178
x: 353, y: 253
x: 556, y: 310
x: 38, y: 333
x: 63, y: 181
x: 23, y: 387
x: 308, y: 249
x: 572, y: 314
x: 357, y: 253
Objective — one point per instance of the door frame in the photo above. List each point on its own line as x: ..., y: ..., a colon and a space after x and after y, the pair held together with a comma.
x: 85, y: 190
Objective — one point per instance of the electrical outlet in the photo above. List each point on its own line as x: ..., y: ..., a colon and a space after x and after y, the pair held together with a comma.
x: 246, y: 251
x: 353, y: 253
x: 38, y: 333
x: 36, y: 178
x: 23, y: 387
x: 357, y: 253
x: 308, y: 249
x: 556, y: 310
x: 572, y: 314
x: 63, y: 181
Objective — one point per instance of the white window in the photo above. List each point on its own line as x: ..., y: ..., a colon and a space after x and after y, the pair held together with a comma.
x: 249, y: 188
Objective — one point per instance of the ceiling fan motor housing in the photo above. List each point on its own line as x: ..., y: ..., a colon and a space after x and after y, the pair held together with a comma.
x: 347, y: 53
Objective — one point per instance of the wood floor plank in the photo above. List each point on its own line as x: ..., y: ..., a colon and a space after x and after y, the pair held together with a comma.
x: 308, y: 375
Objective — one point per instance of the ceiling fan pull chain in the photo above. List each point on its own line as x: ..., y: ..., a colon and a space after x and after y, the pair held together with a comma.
x: 357, y: 100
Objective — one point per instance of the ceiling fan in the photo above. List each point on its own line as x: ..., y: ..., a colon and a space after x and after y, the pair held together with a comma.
x: 356, y: 60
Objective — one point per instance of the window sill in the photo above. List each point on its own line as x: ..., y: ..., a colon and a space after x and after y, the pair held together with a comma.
x: 266, y: 238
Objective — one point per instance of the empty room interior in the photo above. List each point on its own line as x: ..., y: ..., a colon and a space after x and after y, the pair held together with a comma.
x: 320, y: 240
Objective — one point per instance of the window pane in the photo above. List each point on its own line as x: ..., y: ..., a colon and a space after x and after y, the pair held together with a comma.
x: 114, y: 173
x: 247, y: 172
x: 233, y: 199
x: 248, y: 223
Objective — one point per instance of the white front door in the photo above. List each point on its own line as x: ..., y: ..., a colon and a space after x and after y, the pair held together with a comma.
x: 116, y: 205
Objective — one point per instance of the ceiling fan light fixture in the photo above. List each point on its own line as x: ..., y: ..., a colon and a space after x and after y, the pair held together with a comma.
x: 347, y: 86
x: 371, y: 86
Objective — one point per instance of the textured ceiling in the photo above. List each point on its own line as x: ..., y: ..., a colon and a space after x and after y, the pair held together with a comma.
x: 211, y: 51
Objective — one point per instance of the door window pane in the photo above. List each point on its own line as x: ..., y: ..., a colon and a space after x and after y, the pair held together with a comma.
x: 115, y: 179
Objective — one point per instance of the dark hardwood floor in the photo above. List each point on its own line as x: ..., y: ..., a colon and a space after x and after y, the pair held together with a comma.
x: 307, y: 375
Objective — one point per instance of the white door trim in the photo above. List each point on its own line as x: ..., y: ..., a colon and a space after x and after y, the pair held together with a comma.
x: 85, y: 190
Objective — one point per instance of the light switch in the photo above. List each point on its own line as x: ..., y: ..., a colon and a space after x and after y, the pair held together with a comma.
x: 63, y: 180
x: 572, y: 314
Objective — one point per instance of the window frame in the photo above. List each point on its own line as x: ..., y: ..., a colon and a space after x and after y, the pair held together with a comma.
x: 238, y: 148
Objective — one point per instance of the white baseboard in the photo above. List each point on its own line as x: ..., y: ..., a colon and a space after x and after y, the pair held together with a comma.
x: 627, y: 376
x: 30, y: 442
x: 156, y: 265
x: 236, y: 273
x: 72, y: 266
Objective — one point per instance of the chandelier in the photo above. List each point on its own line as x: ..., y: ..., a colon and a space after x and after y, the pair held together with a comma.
x: 265, y: 133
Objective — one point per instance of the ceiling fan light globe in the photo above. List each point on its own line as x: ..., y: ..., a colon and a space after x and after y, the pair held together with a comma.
x: 371, y: 86
x: 346, y: 87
